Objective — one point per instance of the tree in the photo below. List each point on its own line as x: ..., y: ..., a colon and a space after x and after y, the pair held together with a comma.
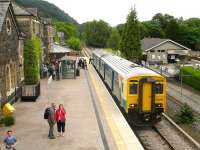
x: 130, y: 46
x: 120, y: 28
x: 152, y: 29
x: 173, y: 30
x: 68, y: 29
x: 74, y: 43
x: 163, y: 20
x: 32, y: 60
x: 97, y: 33
x: 114, y: 39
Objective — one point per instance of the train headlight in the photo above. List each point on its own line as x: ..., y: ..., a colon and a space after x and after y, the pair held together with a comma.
x: 131, y: 105
x: 159, y: 105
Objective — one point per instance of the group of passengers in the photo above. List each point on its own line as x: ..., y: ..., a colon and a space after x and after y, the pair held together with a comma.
x: 52, y: 69
x: 82, y: 63
x: 56, y: 116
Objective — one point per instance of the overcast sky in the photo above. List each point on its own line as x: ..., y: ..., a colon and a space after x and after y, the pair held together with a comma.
x: 115, y: 11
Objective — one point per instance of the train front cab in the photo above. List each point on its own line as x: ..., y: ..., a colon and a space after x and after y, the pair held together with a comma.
x: 146, y: 99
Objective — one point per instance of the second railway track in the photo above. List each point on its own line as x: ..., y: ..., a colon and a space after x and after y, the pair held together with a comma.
x: 166, y: 135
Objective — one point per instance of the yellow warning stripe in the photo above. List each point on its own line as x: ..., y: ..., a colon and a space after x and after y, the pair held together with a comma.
x: 102, y: 96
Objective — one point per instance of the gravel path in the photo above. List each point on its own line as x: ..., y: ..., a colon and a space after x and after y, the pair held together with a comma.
x: 191, y: 98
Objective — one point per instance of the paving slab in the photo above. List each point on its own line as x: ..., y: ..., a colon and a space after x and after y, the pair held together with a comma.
x: 82, y: 130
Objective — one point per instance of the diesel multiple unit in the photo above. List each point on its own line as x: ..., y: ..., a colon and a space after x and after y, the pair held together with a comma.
x: 139, y: 91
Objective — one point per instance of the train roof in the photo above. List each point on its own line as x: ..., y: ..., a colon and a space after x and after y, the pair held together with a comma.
x: 122, y: 66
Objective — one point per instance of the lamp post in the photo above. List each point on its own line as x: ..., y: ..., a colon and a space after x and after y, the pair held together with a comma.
x: 181, y: 76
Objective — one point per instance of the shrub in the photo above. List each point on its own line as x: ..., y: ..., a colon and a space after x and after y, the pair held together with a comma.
x: 74, y: 43
x: 1, y: 120
x: 193, y: 79
x: 186, y: 115
x: 32, y: 60
x: 9, y: 120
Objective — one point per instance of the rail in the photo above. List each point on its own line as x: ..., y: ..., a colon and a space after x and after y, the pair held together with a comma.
x: 194, y: 143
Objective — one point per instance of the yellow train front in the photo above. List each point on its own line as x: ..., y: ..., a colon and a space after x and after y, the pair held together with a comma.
x: 140, y: 92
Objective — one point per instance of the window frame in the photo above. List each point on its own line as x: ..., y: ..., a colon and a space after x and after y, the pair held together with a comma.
x: 134, y: 83
x: 161, y: 88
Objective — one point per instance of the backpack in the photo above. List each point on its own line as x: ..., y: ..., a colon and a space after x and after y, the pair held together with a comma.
x: 46, y: 113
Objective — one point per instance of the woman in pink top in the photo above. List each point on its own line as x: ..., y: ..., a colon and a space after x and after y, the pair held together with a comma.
x: 61, y: 118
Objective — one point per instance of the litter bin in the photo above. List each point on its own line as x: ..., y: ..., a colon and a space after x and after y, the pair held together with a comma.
x: 8, y: 109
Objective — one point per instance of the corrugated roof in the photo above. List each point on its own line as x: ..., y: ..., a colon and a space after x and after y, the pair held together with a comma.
x: 148, y: 43
x: 123, y: 66
x: 59, y: 49
x: 18, y: 10
x: 3, y: 10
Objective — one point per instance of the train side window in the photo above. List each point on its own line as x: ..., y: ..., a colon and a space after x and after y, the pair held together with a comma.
x: 133, y: 88
x: 159, y: 88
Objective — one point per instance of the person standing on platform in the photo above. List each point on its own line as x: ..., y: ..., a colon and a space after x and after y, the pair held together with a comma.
x: 61, y: 119
x: 52, y: 120
x: 10, y: 141
x: 85, y: 64
x: 57, y: 64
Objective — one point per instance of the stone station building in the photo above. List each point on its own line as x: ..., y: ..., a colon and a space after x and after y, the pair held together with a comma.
x: 163, y: 51
x: 11, y: 54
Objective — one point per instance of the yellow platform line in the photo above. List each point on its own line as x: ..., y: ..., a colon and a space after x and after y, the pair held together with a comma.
x: 102, y: 96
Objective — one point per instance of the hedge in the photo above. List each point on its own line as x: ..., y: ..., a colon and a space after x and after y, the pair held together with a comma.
x: 32, y: 60
x: 193, y: 79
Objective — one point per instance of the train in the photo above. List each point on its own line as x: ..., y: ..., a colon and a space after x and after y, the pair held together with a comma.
x: 140, y: 92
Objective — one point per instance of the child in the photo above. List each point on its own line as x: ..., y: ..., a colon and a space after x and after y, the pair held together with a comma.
x: 10, y: 141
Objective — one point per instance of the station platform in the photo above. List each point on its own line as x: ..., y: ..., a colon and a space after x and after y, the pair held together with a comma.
x: 93, y: 120
x: 123, y: 136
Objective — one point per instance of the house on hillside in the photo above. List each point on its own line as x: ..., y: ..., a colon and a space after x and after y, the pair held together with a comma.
x: 163, y: 51
x: 11, y: 54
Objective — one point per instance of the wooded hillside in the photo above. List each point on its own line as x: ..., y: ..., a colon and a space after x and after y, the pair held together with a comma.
x: 47, y: 9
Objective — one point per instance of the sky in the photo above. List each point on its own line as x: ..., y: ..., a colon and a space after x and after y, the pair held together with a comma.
x: 115, y: 11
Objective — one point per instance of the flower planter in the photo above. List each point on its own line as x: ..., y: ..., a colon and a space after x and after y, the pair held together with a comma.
x: 30, y: 93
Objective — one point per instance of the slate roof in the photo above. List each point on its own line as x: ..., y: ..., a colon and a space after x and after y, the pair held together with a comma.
x: 3, y: 10
x: 20, y: 10
x: 148, y: 43
x: 33, y: 11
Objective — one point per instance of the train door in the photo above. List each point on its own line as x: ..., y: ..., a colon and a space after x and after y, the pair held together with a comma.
x: 146, y: 97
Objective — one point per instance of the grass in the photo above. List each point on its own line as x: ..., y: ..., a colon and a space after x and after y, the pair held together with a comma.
x: 191, y: 77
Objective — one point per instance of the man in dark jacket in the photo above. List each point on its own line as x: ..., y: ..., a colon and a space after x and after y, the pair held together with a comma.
x: 52, y: 120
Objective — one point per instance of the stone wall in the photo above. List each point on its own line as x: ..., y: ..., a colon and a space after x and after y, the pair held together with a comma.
x: 9, y: 55
x: 25, y: 26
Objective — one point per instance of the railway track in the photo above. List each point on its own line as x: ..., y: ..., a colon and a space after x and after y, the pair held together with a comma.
x: 165, y: 135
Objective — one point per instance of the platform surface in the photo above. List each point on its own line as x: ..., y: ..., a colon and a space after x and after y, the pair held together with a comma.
x: 122, y: 134
x: 82, y: 132
x: 93, y: 120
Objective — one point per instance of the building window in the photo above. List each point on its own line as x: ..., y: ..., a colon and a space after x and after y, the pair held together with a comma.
x: 13, y: 76
x: 8, y: 26
x: 152, y: 51
x: 163, y: 51
x: 8, y: 79
x: 153, y: 56
x: 164, y: 56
